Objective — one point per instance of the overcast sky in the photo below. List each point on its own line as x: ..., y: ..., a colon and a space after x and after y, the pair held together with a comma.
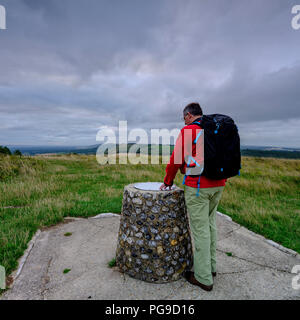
x: 68, y: 67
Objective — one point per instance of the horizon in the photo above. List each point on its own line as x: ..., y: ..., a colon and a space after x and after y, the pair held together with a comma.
x: 93, y: 145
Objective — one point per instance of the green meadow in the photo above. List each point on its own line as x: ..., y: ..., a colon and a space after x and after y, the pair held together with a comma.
x: 39, y: 191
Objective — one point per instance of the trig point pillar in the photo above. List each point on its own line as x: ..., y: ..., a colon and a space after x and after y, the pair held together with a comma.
x: 154, y: 242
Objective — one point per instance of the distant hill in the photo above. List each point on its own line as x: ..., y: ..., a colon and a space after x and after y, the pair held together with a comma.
x: 34, y: 150
x: 269, y: 148
x: 271, y: 153
x: 252, y: 151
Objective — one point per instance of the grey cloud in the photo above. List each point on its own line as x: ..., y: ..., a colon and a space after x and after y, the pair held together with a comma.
x: 69, y: 65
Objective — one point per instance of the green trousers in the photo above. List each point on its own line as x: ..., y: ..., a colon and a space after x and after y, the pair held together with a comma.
x: 202, y: 218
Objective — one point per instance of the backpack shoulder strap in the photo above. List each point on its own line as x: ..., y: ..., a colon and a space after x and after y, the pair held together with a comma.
x: 199, y: 134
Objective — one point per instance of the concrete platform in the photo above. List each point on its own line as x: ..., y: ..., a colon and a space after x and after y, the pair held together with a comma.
x: 248, y: 266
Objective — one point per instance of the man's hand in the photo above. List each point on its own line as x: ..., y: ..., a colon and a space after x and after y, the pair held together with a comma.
x: 164, y: 187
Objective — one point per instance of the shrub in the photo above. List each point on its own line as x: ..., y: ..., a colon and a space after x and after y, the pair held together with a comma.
x: 17, y: 153
x: 5, y: 150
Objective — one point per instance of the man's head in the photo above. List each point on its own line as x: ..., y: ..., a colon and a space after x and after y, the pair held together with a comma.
x: 191, y: 112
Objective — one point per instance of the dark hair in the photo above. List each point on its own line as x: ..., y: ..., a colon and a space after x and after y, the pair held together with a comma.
x: 193, y: 108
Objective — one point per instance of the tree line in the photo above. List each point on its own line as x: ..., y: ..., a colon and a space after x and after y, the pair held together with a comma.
x: 6, y: 151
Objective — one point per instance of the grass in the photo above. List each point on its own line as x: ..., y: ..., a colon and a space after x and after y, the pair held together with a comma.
x: 40, y: 191
x: 112, y: 263
x: 68, y: 234
x: 66, y: 271
x: 266, y: 199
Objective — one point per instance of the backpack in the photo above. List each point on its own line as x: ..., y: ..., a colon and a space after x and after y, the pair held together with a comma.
x: 222, y: 154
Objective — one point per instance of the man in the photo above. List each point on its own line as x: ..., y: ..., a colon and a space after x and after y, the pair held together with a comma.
x: 201, y: 205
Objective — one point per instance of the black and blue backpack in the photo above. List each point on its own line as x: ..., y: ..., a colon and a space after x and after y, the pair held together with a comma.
x: 222, y: 154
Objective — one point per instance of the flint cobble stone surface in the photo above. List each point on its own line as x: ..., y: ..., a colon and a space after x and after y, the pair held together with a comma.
x: 154, y: 242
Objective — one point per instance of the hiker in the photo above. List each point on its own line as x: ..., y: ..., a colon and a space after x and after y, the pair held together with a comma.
x: 202, y: 197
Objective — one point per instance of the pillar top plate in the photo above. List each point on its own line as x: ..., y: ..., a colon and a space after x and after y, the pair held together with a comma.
x: 150, y: 186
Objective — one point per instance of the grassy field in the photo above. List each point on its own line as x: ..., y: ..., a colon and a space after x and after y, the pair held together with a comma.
x: 40, y: 191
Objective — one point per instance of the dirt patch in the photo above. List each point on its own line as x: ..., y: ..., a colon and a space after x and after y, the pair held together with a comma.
x: 9, y: 281
x: 65, y: 221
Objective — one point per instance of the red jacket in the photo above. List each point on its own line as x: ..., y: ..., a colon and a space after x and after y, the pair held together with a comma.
x: 177, y: 161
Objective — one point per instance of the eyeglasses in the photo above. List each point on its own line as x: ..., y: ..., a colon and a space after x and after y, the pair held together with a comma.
x: 183, y: 119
